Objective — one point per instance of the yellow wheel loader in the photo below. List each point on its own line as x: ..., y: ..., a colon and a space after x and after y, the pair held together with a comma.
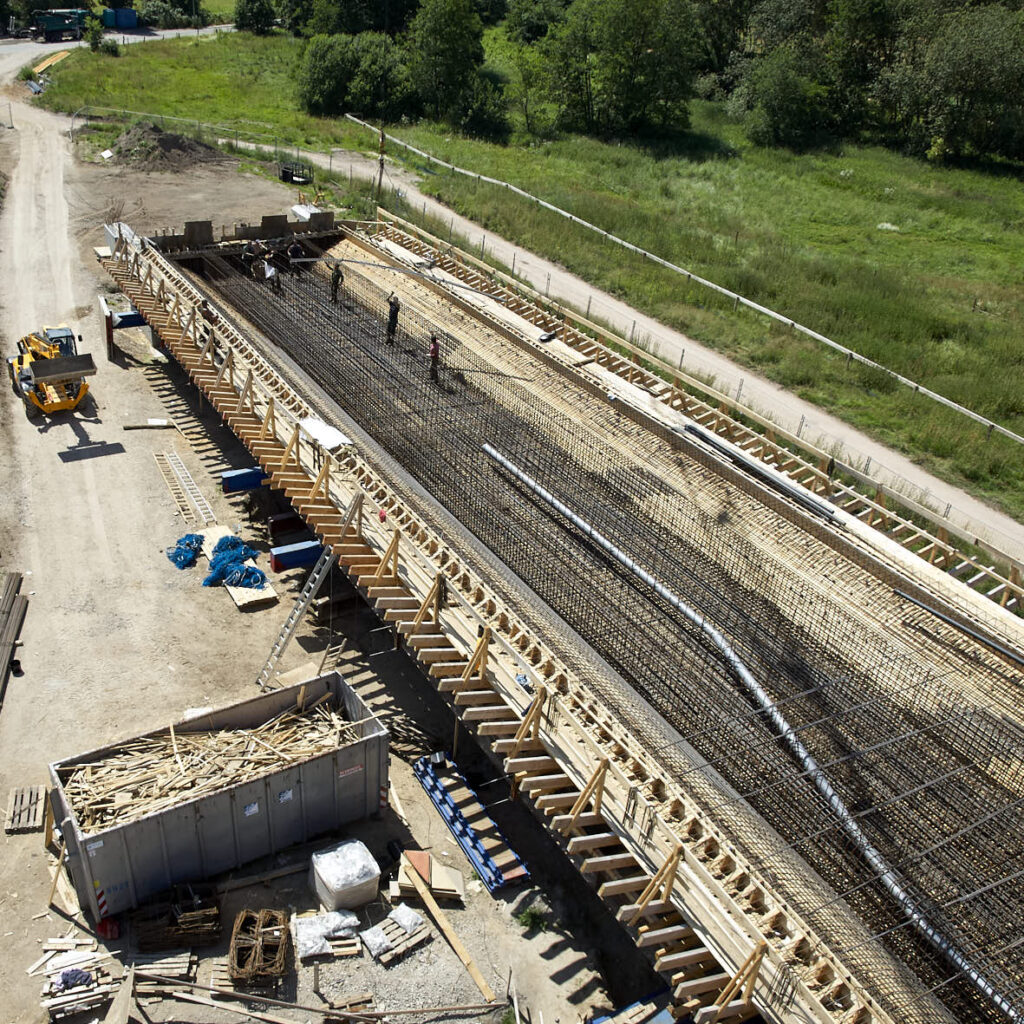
x: 48, y: 374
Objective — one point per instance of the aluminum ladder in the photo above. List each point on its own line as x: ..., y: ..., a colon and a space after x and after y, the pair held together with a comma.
x: 316, y: 577
x: 188, y: 485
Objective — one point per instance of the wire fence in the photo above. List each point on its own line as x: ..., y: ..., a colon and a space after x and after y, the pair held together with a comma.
x: 696, y: 279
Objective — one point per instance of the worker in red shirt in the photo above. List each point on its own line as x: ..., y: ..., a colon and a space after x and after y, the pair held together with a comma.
x: 435, y: 356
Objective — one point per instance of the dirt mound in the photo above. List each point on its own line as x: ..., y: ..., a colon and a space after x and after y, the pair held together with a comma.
x: 150, y: 147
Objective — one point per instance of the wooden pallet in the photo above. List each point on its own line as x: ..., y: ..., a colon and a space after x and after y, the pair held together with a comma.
x: 344, y: 948
x: 179, y: 968
x: 73, y: 1001
x: 402, y: 943
x: 26, y: 810
x: 220, y: 978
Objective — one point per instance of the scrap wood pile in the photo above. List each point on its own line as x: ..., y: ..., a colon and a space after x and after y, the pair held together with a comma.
x: 175, y: 971
x: 75, y: 976
x: 153, y: 773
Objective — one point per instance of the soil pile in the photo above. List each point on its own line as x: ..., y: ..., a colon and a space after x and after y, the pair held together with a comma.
x: 149, y: 147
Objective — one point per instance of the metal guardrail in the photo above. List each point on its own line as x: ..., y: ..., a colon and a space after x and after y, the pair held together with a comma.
x: 692, y: 278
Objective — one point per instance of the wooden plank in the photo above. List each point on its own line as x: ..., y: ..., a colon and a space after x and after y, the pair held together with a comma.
x: 121, y: 1007
x: 456, y: 943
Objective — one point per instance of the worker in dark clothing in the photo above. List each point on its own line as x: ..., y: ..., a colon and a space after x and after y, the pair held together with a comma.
x: 435, y: 356
x: 393, y: 306
x: 295, y: 253
x: 249, y: 254
x: 337, y: 279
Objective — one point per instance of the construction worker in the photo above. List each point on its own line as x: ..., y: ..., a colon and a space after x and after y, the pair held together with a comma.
x: 393, y: 307
x: 208, y: 314
x: 435, y: 356
x: 337, y: 279
x: 295, y: 253
x: 249, y: 254
x: 270, y: 273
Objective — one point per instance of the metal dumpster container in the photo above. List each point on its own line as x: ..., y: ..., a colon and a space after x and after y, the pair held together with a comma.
x: 130, y: 854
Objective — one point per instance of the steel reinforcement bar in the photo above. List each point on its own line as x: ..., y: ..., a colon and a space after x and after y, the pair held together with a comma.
x: 718, y: 933
x: 675, y: 390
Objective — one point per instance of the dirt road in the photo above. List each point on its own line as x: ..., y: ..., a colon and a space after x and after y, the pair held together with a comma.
x: 117, y: 641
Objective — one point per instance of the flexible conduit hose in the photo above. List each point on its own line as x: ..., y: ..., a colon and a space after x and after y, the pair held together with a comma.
x: 877, y: 862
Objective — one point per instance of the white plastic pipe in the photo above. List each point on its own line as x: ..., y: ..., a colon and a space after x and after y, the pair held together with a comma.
x: 875, y: 859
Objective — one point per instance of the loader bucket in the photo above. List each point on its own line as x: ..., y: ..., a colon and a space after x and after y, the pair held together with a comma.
x: 62, y: 370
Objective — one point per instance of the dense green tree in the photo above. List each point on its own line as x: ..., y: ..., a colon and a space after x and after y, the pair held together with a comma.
x: 334, y: 17
x: 379, y: 86
x: 774, y: 23
x: 859, y: 43
x: 255, y: 16
x: 787, y: 106
x: 722, y: 25
x: 327, y: 67
x: 294, y: 14
x: 962, y: 92
x: 529, y: 20
x: 445, y: 50
x: 331, y: 17
x: 491, y: 11
x: 624, y: 65
x: 524, y: 90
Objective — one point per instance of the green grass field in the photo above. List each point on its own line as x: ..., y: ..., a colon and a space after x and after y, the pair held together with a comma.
x: 915, y: 266
x: 222, y: 11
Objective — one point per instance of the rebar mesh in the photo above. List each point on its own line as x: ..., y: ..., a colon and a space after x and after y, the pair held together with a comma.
x: 934, y: 779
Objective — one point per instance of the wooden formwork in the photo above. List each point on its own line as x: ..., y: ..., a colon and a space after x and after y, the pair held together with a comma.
x: 665, y: 869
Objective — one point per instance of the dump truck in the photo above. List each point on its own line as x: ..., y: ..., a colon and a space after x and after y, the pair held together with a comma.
x: 67, y: 23
x: 48, y: 373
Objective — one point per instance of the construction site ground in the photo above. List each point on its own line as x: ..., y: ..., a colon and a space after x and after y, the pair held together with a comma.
x: 117, y: 641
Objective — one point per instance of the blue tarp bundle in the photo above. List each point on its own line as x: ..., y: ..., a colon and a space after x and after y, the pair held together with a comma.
x: 227, y: 565
x: 186, y: 550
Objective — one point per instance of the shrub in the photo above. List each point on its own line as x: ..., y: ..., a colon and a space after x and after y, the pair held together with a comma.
x: 256, y: 16
x: 787, y: 106
x: 94, y: 33
x: 533, y: 919
x: 163, y: 14
x: 110, y: 48
x: 482, y: 109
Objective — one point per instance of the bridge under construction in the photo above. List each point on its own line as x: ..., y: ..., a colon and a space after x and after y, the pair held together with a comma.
x: 787, y: 753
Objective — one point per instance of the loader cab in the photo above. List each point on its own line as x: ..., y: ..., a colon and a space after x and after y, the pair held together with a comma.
x: 63, y: 338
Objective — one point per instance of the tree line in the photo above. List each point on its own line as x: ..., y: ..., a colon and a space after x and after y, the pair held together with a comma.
x: 938, y: 78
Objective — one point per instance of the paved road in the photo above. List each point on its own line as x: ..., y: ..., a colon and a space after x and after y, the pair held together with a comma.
x: 772, y: 401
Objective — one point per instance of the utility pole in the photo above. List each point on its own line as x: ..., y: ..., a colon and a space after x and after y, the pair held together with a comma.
x: 380, y: 173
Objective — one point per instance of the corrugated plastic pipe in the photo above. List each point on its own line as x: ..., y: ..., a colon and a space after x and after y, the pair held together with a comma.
x: 875, y: 859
